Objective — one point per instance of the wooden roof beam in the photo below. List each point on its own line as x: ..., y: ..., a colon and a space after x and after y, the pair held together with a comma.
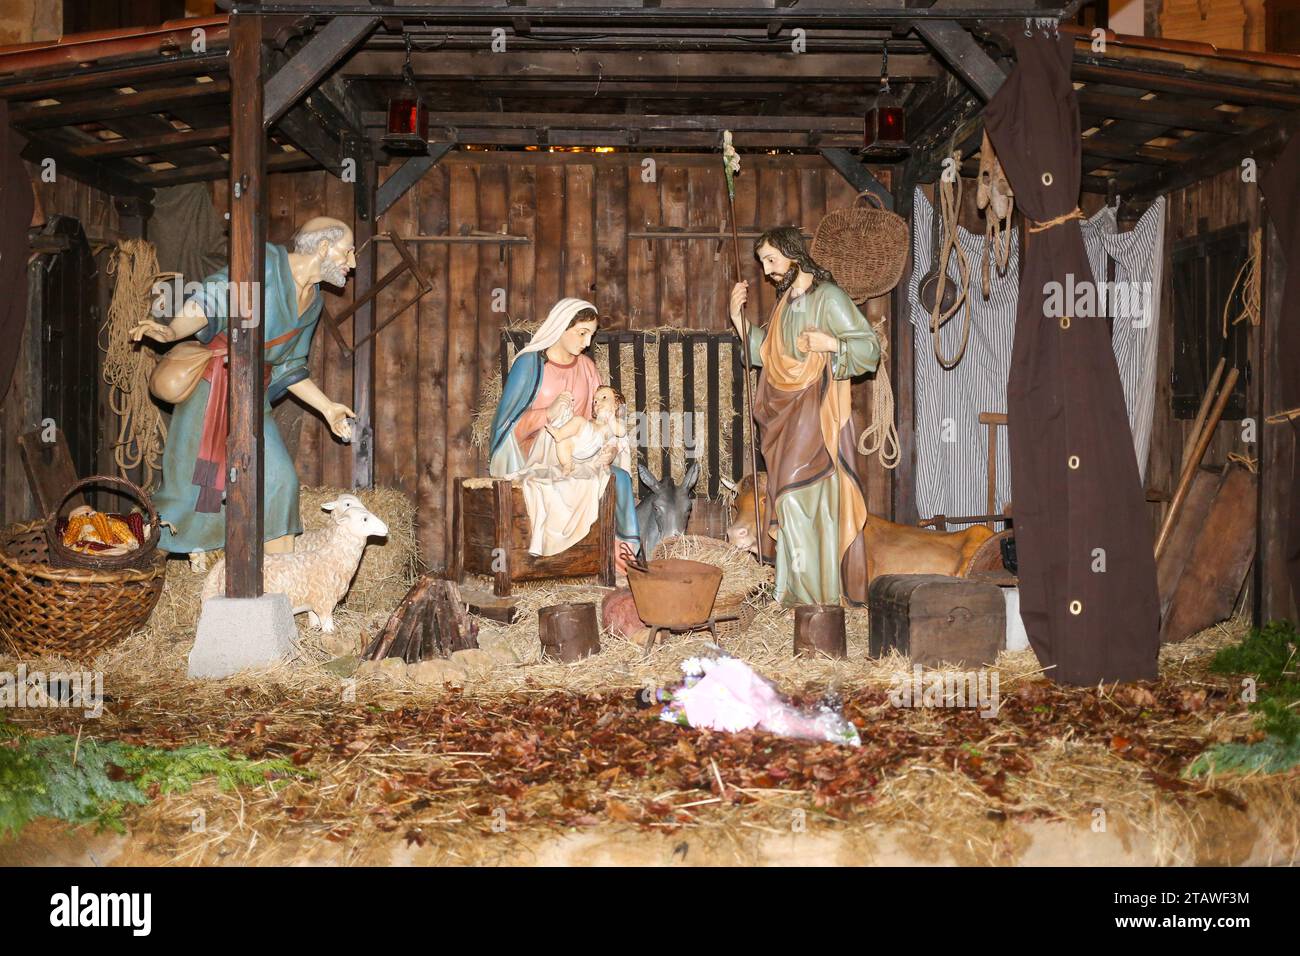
x: 281, y: 162
x: 55, y: 86
x: 152, y: 145
x: 310, y: 65
x: 954, y: 44
x: 564, y: 66
x: 1167, y: 113
x: 115, y: 178
x: 819, y: 13
x: 1224, y: 154
x: 119, y: 104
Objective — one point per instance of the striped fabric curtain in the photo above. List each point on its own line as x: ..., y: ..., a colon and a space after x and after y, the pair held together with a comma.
x: 951, y: 444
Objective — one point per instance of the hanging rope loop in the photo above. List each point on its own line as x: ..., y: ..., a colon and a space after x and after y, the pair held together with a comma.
x: 950, y: 206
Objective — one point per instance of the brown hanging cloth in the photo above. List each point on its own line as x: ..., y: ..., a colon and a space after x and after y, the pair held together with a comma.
x: 1083, y: 536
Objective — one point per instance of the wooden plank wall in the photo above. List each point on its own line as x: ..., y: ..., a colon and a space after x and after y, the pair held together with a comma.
x: 578, y: 210
x: 20, y: 407
x: 1211, y: 204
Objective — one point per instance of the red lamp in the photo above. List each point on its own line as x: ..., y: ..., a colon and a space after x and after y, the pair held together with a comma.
x: 408, y: 118
x: 886, y: 125
x: 408, y: 126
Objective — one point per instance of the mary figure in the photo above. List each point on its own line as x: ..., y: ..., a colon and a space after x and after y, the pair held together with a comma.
x: 550, y: 380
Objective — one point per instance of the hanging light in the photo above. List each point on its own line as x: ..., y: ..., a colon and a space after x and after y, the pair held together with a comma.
x: 408, y: 118
x: 885, y: 129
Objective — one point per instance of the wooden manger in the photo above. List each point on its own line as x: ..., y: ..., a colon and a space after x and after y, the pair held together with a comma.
x: 490, y: 533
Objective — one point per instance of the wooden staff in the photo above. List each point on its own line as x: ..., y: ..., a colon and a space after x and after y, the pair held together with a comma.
x: 1193, y: 461
x: 749, y: 400
x: 1210, y: 391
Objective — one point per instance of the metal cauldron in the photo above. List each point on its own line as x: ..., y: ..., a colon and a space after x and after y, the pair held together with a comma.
x: 674, y: 593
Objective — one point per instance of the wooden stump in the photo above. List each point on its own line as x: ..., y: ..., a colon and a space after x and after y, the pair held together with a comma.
x: 430, y: 622
x: 819, y: 629
x: 568, y: 632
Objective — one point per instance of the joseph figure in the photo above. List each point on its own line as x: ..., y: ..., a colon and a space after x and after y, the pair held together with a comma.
x: 191, y: 497
x: 815, y: 341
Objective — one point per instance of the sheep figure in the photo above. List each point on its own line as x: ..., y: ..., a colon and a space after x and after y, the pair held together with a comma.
x: 315, y: 580
x: 313, y: 538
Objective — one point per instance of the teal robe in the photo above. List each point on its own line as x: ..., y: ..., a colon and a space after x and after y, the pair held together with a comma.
x: 176, y: 498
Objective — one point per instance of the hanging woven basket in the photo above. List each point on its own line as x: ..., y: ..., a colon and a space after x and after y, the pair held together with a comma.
x: 864, y: 246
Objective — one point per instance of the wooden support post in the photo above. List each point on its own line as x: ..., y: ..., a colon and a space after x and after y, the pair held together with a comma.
x: 363, y: 358
x: 902, y: 359
x: 133, y: 217
x: 244, y: 450
x: 1277, y: 444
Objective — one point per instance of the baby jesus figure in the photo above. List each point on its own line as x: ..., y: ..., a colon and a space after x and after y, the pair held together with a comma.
x: 579, y: 441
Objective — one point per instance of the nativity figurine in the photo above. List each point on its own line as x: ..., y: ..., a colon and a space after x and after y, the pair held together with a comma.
x: 190, y: 500
x: 815, y: 342
x: 551, y: 385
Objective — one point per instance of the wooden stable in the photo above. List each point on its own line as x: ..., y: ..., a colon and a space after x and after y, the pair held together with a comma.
x: 595, y: 173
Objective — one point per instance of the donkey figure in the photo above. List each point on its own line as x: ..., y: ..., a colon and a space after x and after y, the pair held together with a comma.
x: 664, y: 512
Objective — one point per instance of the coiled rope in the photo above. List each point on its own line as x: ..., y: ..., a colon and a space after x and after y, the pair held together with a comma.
x: 141, y: 431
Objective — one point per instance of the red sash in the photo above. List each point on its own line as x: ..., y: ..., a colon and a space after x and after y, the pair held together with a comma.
x: 210, y: 466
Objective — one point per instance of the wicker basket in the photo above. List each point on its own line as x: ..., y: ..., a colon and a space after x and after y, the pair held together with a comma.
x: 865, y: 248
x: 142, y: 558
x: 68, y: 612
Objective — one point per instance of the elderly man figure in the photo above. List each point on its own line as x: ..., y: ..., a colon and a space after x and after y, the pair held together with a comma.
x: 190, y: 499
x: 814, y: 343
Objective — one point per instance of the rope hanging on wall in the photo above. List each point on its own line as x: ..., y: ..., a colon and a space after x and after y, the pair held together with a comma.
x: 1249, y: 291
x: 950, y: 192
x: 141, y: 431
x: 881, y: 434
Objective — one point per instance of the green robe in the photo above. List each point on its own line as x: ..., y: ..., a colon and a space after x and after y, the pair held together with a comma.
x: 807, y: 492
x: 176, y: 497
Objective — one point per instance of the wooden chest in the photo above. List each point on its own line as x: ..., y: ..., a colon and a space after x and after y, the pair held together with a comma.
x: 933, y: 618
x: 490, y: 534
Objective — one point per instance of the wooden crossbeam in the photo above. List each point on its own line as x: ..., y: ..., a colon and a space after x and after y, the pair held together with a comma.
x: 1164, y: 112
x: 963, y: 54
x: 281, y: 162
x: 857, y: 175
x: 119, y: 104
x: 152, y: 145
x: 100, y: 78
x: 114, y: 178
x: 1225, y: 154
x: 407, y: 175
x: 311, y: 64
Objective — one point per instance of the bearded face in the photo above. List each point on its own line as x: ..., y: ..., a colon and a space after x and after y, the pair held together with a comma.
x: 779, y: 270
x: 339, y: 259
x: 334, y: 273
